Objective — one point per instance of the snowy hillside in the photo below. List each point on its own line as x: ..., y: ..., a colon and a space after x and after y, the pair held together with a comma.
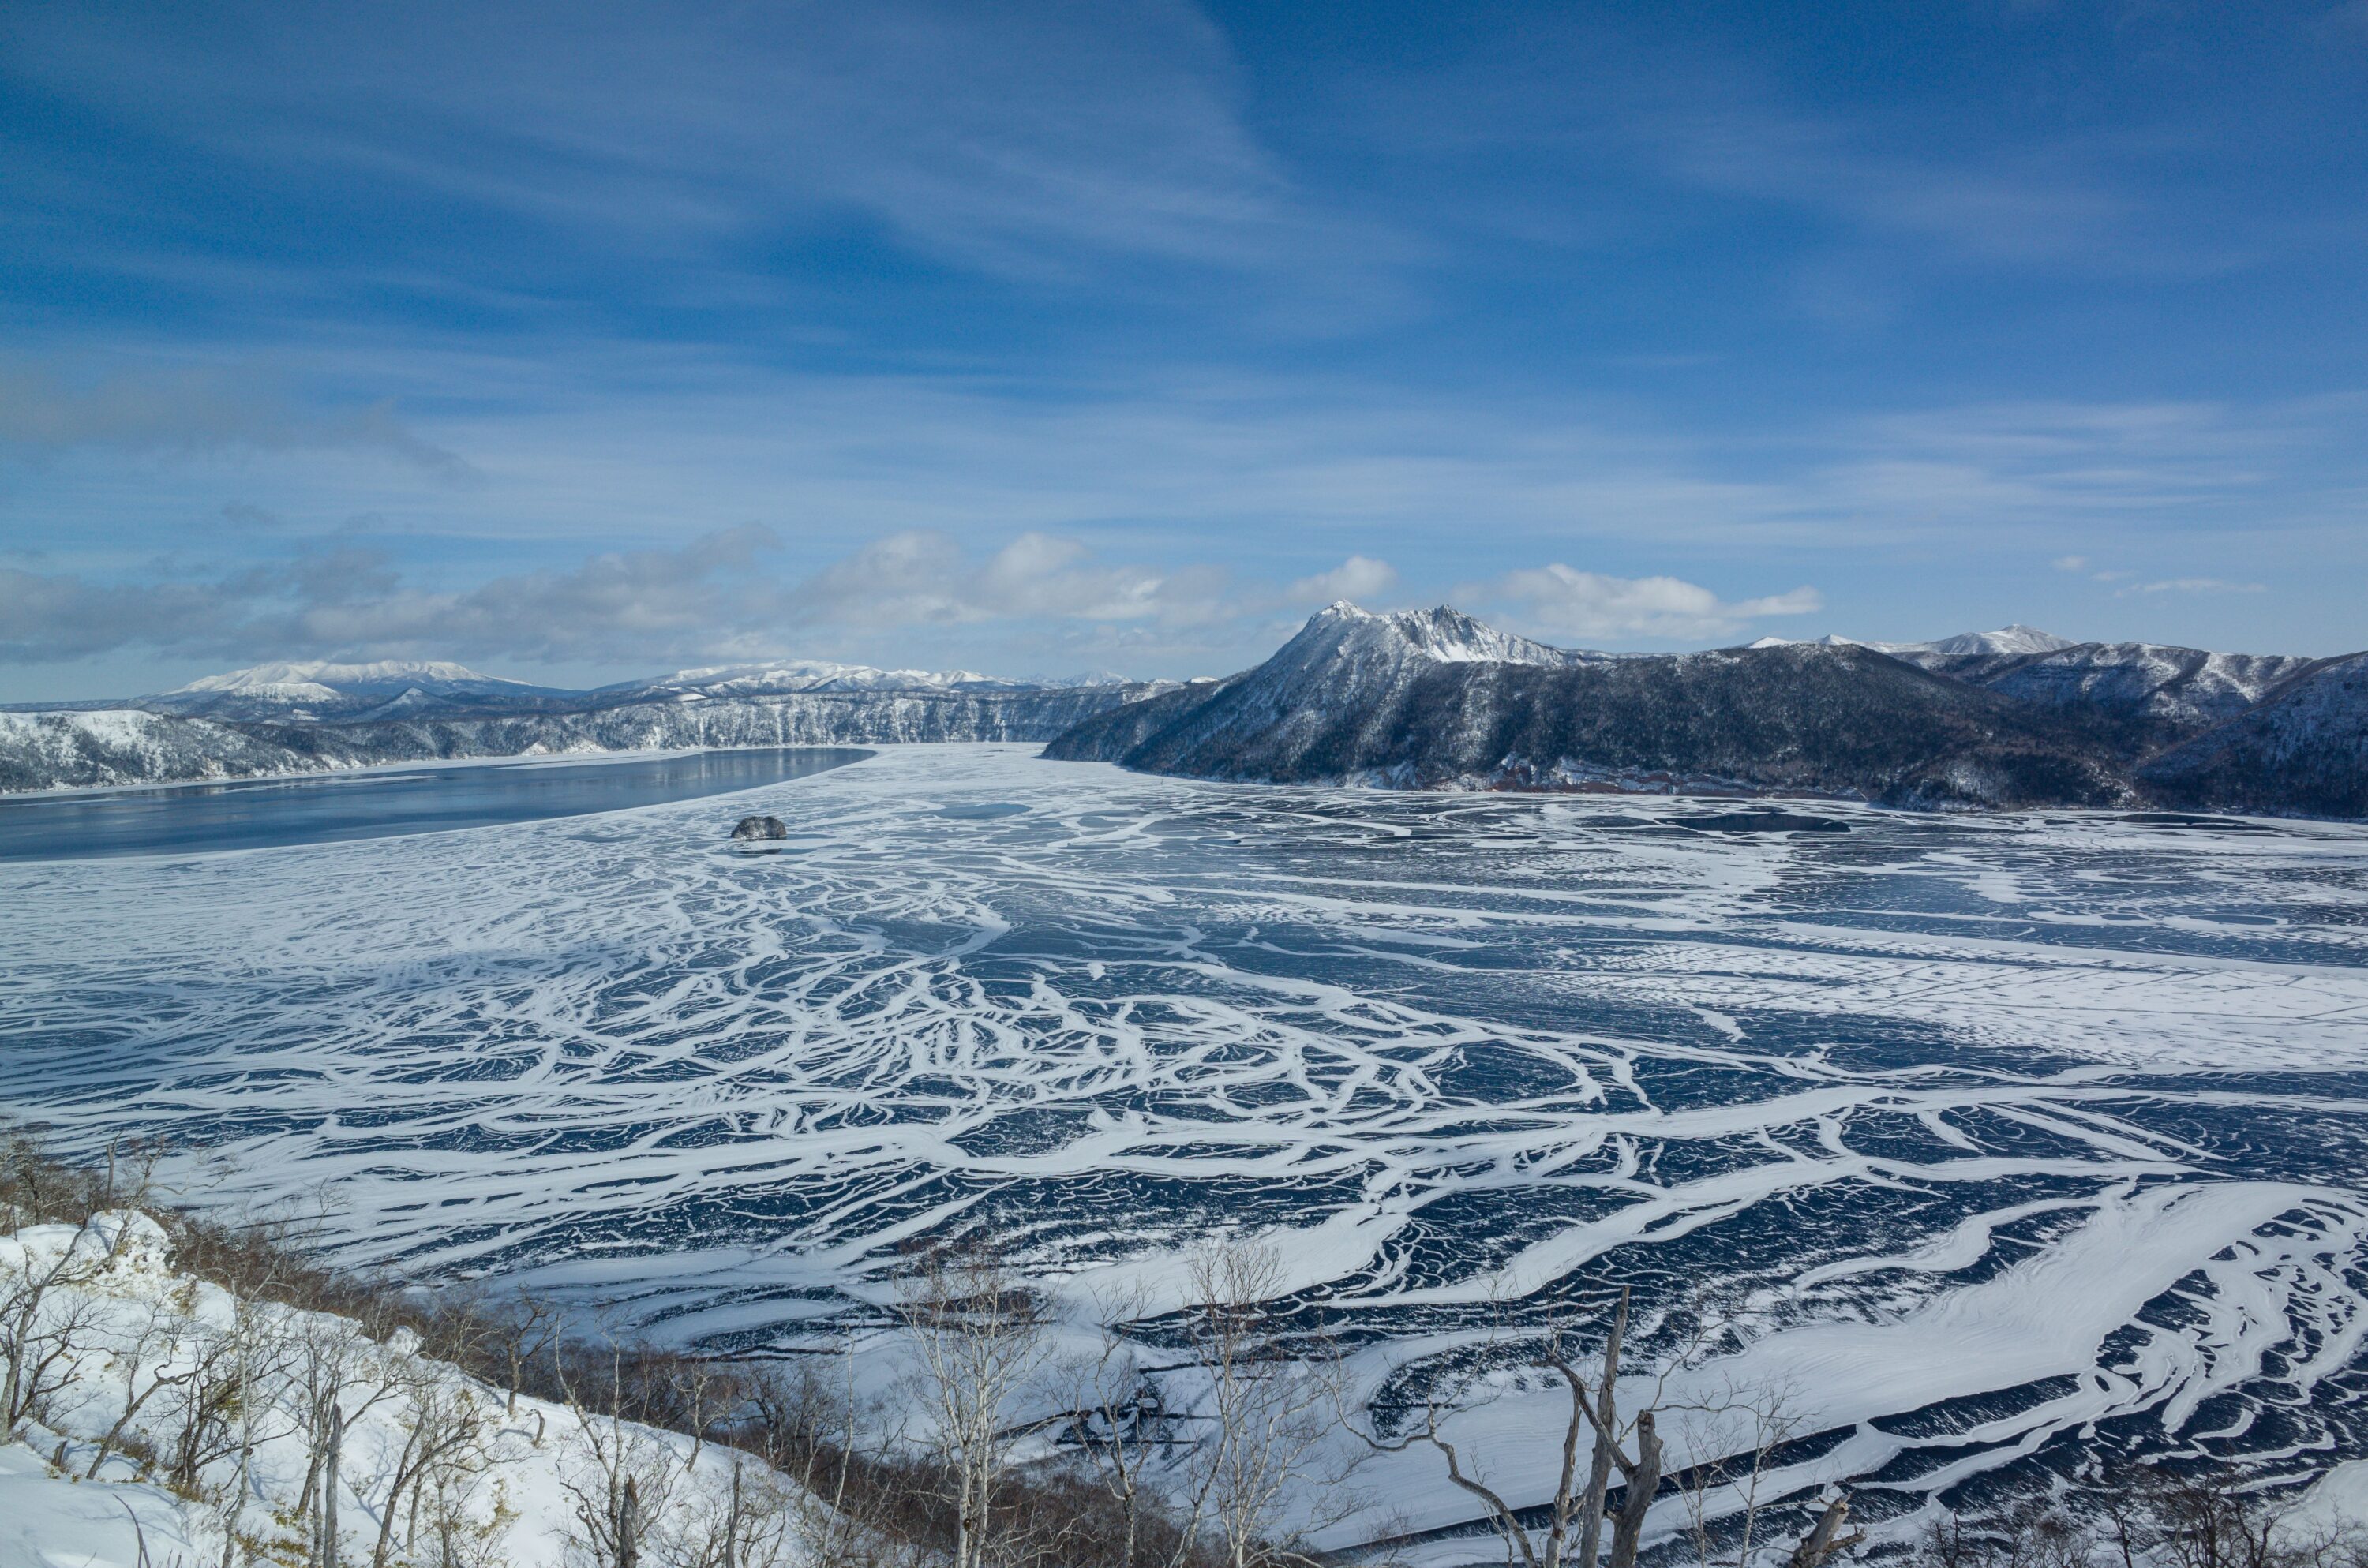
x: 389, y: 674
x: 2309, y: 740
x: 42, y: 751
x: 2185, y: 688
x: 2015, y: 639
x: 159, y: 1418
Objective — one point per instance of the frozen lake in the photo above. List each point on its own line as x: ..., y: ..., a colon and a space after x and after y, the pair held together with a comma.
x: 1978, y: 1133
x: 380, y: 802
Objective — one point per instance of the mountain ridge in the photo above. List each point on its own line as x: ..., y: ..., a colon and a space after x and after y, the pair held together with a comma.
x: 249, y: 723
x: 2013, y: 719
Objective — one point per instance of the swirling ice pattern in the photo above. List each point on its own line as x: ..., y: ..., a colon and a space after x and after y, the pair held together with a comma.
x: 1979, y: 1134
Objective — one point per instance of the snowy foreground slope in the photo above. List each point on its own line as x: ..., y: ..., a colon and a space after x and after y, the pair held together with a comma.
x: 169, y: 1420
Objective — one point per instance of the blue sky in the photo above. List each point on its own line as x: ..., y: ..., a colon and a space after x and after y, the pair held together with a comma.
x: 577, y: 341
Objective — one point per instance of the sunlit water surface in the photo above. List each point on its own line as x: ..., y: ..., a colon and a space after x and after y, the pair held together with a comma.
x: 380, y: 802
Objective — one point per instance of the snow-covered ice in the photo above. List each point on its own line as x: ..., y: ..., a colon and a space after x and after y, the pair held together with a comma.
x: 1997, y: 1135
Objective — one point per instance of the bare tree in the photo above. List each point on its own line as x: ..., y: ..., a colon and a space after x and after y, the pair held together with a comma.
x: 978, y: 1334
x: 1134, y: 1441
x: 522, y: 1330
x: 838, y: 1452
x: 143, y: 1357
x: 447, y: 1430
x: 1269, y: 1471
x: 619, y: 1475
x: 48, y: 1312
x: 1576, y: 1513
x: 328, y: 1458
x: 245, y: 1407
x: 340, y: 1372
x: 227, y: 1365
x: 1732, y: 1439
x: 752, y: 1523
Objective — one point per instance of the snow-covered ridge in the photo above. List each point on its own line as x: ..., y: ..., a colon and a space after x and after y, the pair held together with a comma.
x: 328, y: 693
x: 2015, y: 639
x: 327, y: 676
x: 2183, y: 686
x: 808, y: 674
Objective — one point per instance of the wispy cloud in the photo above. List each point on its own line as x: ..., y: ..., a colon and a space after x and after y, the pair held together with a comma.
x: 2196, y: 585
x: 1030, y: 139
x: 194, y: 408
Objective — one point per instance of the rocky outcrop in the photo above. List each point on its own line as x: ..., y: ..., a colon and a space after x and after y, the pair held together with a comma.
x: 760, y: 830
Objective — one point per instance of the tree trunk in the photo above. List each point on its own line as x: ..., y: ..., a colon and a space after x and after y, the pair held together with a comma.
x: 1607, y: 1420
x: 1825, y: 1539
x: 1642, y: 1482
x: 629, y: 1527
x: 732, y: 1522
x: 327, y: 1554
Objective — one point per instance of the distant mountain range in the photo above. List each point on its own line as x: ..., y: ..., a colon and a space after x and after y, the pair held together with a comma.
x: 302, y: 718
x: 1414, y: 699
x: 1434, y: 699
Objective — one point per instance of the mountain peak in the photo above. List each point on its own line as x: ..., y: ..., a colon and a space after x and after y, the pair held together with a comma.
x: 1441, y: 634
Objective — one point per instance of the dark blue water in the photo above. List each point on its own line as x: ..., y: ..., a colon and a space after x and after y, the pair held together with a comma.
x: 260, y: 814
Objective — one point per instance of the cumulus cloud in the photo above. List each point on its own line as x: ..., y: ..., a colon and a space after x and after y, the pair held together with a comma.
x: 1561, y: 601
x: 924, y: 577
x: 1358, y: 578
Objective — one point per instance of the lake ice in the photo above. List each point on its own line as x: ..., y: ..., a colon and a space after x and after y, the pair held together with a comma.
x: 1977, y: 1133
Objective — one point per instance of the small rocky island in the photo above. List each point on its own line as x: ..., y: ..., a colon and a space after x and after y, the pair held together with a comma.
x: 754, y: 829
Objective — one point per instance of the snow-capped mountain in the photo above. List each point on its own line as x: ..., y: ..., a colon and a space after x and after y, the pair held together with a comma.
x: 385, y: 675
x: 1414, y: 697
x: 2013, y: 716
x: 1420, y: 699
x: 2015, y: 639
x: 321, y: 689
